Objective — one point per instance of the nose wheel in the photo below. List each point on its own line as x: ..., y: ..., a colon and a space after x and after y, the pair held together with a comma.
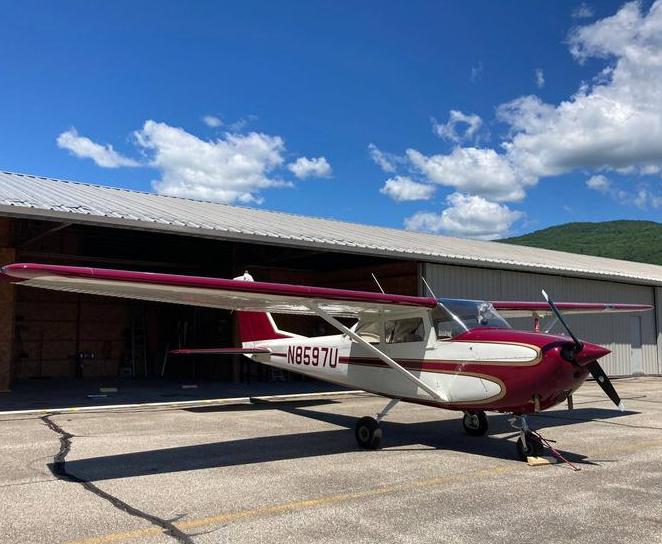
x: 475, y: 423
x: 528, y: 443
x: 529, y: 446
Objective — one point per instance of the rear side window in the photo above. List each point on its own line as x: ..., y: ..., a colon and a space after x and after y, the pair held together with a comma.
x: 369, y: 332
x: 402, y: 331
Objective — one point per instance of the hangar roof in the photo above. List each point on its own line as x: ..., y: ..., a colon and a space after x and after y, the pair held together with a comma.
x: 36, y: 197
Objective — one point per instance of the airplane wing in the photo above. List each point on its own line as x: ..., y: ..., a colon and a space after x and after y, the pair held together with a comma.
x: 213, y: 292
x: 525, y: 309
x: 231, y: 295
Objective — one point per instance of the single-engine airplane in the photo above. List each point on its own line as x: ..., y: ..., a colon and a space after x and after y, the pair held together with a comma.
x: 449, y: 353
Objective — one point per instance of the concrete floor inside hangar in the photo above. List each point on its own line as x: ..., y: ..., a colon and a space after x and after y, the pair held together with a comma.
x: 291, y: 472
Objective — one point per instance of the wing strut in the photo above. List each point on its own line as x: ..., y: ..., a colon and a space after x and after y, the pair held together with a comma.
x: 436, y: 395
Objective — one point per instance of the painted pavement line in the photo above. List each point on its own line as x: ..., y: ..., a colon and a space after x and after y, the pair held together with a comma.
x: 200, y: 402
x: 295, y: 506
x: 304, y: 504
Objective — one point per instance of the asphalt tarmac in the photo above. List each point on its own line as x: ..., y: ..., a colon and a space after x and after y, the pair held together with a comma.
x: 290, y: 471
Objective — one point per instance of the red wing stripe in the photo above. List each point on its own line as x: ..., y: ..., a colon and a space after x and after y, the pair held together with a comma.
x: 514, y: 305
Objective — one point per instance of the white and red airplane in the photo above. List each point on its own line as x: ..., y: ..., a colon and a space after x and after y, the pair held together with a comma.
x: 450, y: 353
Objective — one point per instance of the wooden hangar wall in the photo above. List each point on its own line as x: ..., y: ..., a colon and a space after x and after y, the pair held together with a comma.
x: 633, y: 338
x: 52, y: 334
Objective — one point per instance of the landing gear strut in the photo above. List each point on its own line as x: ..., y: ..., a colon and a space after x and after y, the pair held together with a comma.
x: 475, y: 423
x: 369, y: 432
x: 528, y: 443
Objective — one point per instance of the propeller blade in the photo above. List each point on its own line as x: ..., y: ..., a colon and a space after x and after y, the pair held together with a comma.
x: 558, y: 315
x: 594, y: 368
x: 603, y: 381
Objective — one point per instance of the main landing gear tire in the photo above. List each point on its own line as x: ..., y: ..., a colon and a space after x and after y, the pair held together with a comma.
x: 368, y: 433
x: 475, y: 423
x: 534, y: 447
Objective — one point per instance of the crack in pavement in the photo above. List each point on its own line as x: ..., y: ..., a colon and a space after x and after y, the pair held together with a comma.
x: 58, y: 469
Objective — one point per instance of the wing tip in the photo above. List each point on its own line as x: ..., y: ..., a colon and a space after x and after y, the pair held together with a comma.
x: 15, y: 272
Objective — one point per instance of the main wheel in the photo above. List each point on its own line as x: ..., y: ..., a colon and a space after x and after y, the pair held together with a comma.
x: 475, y: 423
x: 533, y: 448
x: 368, y: 433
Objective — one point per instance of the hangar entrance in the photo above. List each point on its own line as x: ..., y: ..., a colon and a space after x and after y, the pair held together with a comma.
x: 67, y: 335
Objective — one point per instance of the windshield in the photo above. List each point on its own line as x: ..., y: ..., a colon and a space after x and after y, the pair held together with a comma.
x: 473, y: 313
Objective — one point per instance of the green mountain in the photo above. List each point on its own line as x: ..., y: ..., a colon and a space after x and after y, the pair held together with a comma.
x: 639, y: 241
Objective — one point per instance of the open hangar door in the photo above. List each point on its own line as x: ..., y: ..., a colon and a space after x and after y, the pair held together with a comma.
x: 632, y: 338
x: 64, y: 335
x: 68, y: 335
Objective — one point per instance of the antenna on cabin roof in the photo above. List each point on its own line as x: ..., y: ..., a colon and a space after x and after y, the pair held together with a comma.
x: 377, y: 282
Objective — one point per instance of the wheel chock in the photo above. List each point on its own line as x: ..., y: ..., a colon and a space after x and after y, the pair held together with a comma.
x: 540, y: 461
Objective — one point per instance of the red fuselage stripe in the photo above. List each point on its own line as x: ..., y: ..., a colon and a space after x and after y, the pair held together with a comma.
x: 419, y: 364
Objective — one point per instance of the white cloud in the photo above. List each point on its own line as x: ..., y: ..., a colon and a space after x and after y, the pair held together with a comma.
x: 229, y: 169
x: 643, y: 197
x: 477, y: 72
x: 613, y: 123
x: 540, y: 78
x: 241, y: 124
x: 403, y: 188
x: 468, y: 217
x: 582, y: 11
x: 469, y: 124
x: 626, y: 34
x: 84, y: 148
x: 386, y: 161
x: 525, y: 113
x: 232, y: 168
x: 304, y: 167
x: 212, y: 121
x: 472, y: 170
x: 598, y: 183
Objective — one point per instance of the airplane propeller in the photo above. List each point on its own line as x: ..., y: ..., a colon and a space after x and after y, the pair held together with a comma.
x: 577, y: 349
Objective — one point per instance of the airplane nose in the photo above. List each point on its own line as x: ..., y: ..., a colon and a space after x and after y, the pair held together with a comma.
x: 589, y: 353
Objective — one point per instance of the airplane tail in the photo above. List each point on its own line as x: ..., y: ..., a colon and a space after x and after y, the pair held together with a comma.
x: 257, y: 326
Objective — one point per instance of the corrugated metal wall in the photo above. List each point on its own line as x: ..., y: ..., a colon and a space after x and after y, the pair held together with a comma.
x: 621, y: 333
x: 658, y: 315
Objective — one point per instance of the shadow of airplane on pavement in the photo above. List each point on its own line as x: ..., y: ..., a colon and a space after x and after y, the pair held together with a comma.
x: 444, y: 435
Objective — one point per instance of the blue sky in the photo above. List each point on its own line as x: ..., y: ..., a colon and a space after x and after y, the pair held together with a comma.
x: 308, y: 98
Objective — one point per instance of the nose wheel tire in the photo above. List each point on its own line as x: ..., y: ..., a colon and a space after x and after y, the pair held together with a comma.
x: 534, y: 447
x: 475, y: 423
x: 368, y: 433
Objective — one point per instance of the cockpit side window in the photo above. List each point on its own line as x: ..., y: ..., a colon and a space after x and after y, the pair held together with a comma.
x: 444, y: 325
x: 404, y: 330
x: 472, y: 313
